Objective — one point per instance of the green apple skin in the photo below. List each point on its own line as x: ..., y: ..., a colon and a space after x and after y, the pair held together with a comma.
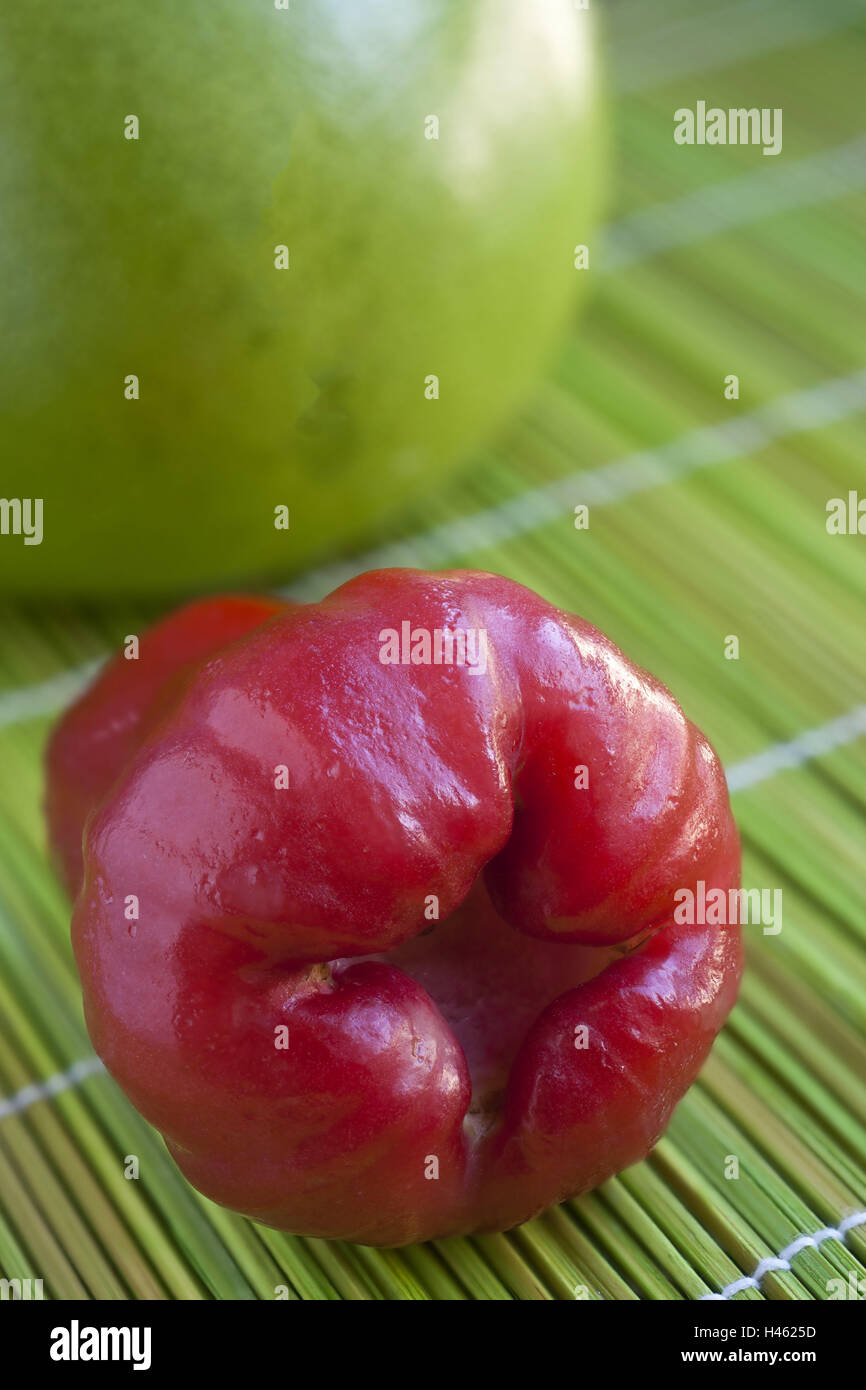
x: 259, y: 387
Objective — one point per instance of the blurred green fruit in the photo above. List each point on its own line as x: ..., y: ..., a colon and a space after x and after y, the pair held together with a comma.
x: 410, y: 257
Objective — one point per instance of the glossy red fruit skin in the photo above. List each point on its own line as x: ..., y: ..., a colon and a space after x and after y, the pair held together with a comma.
x: 303, y: 907
x: 102, y: 730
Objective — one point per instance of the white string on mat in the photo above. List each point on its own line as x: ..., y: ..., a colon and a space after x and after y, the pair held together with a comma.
x: 706, y: 446
x: 796, y: 752
x: 43, y: 1090
x: 784, y: 1257
x: 703, y: 43
x: 715, y: 208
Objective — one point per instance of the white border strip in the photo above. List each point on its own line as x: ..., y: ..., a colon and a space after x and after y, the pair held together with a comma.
x: 784, y: 1258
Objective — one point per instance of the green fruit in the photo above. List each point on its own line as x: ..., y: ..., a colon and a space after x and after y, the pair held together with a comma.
x: 308, y: 387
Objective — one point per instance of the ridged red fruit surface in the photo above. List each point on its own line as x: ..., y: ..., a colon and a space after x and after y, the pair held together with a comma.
x: 396, y: 967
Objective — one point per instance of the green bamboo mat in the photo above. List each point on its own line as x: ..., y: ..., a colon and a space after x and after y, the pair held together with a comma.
x: 707, y: 520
